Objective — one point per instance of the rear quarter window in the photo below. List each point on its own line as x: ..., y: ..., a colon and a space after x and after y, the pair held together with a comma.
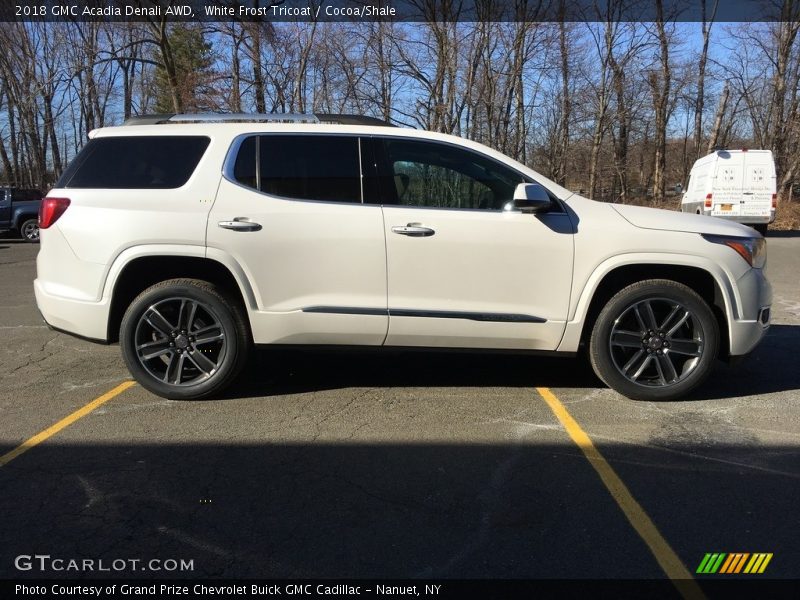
x: 135, y: 162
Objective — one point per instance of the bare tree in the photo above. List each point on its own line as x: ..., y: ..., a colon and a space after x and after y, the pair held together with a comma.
x: 660, y: 80
x: 765, y: 75
x: 701, y: 74
x: 715, y: 130
x: 605, y: 38
x: 565, y: 49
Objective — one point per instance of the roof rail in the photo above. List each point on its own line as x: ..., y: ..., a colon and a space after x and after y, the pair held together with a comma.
x: 343, y: 119
x: 157, y: 119
x: 148, y: 119
x: 243, y: 118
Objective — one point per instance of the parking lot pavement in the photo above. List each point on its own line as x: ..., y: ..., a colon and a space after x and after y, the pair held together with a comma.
x: 352, y: 464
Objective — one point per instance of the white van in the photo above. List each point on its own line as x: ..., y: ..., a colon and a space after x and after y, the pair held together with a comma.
x: 733, y: 184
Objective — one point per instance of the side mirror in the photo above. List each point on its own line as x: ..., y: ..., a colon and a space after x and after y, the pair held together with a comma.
x: 530, y: 198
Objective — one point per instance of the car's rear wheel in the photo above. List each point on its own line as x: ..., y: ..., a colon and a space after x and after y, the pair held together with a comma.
x: 184, y: 339
x: 29, y: 230
x: 654, y: 340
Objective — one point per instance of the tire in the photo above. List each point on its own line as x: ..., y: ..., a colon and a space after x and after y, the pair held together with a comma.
x: 761, y: 228
x: 161, y: 346
x: 632, y: 347
x: 29, y: 230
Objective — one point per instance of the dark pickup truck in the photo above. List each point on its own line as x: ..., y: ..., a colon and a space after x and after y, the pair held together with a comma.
x: 19, y: 212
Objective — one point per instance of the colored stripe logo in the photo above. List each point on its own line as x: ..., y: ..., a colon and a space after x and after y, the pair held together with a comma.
x: 734, y: 562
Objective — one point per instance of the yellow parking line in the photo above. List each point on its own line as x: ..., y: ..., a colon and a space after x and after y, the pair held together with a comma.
x: 65, y: 422
x: 638, y: 518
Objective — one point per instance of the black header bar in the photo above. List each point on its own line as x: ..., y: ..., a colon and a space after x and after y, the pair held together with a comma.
x: 356, y: 589
x: 398, y: 10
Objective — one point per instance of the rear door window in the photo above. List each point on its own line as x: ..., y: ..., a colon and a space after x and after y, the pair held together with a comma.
x: 135, y: 162
x: 301, y: 167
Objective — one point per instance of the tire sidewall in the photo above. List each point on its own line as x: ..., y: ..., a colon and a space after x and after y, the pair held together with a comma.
x: 601, y: 353
x: 222, y: 311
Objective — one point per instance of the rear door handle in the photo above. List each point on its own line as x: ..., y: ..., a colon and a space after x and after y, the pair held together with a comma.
x: 413, y: 230
x: 240, y: 224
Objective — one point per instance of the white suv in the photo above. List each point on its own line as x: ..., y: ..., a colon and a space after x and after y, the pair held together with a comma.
x: 188, y: 238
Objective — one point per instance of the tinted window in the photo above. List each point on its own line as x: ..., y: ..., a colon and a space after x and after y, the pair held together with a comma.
x: 18, y: 195
x: 244, y: 170
x: 140, y: 162
x: 305, y: 167
x: 444, y: 176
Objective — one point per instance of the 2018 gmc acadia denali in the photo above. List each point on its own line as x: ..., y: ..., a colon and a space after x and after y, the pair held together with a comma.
x: 189, y: 238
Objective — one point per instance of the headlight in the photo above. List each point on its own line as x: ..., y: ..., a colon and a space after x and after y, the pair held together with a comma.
x: 753, y: 250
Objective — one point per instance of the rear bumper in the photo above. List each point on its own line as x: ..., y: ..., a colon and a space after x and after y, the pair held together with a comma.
x: 77, y: 317
x: 748, y: 220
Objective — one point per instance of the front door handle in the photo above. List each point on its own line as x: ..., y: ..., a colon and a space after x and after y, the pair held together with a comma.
x: 413, y: 230
x: 240, y: 224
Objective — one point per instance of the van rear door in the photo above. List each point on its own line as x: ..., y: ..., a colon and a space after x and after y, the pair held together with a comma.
x: 728, y: 181
x: 759, y: 184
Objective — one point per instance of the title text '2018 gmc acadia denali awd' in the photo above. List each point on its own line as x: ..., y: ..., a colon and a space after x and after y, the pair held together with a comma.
x: 188, y: 238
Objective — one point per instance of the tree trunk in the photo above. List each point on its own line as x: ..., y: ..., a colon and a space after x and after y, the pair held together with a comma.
x: 701, y: 78
x: 787, y: 33
x: 566, y: 104
x: 621, y: 142
x: 723, y: 104
x: 50, y: 131
x: 236, y: 72
x: 602, y: 108
x: 661, y: 90
x: 8, y: 166
x: 256, y: 42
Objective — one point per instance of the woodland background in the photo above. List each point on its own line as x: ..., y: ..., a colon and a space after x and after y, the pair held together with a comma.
x: 617, y: 110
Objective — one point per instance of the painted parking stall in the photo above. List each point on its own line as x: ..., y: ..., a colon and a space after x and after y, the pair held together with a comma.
x: 409, y: 465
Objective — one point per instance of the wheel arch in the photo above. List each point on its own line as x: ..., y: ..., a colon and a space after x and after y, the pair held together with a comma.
x: 129, y: 277
x: 716, y: 293
x: 22, y: 216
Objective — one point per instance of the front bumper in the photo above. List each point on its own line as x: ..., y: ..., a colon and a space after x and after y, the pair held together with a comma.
x: 753, y: 320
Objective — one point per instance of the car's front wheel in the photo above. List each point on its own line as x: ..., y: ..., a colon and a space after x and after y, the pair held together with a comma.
x: 654, y: 340
x: 184, y: 339
x: 29, y: 230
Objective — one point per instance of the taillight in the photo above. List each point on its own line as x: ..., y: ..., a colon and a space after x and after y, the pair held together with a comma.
x: 708, y: 201
x: 774, y: 201
x: 50, y: 210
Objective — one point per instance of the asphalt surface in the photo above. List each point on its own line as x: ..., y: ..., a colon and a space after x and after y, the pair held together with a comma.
x: 392, y: 465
